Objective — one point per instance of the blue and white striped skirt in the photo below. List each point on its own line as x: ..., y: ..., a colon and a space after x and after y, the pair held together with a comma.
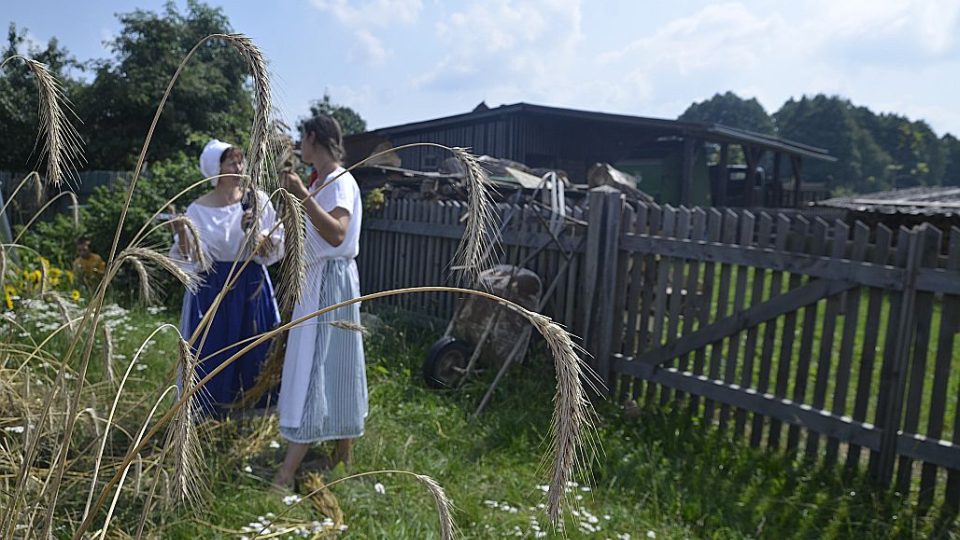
x: 334, y: 399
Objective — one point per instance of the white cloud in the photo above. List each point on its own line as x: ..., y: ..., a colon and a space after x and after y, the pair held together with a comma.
x: 506, y: 48
x: 368, y: 49
x: 379, y: 13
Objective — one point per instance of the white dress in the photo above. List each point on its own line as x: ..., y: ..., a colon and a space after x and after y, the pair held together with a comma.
x: 323, y: 389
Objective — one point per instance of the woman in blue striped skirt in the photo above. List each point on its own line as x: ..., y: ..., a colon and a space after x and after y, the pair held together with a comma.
x: 323, y: 389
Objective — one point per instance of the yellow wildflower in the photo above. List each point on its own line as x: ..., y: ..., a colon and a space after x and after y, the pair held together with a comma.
x: 75, y: 295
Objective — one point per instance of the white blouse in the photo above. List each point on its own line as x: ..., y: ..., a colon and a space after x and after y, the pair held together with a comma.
x: 341, y: 193
x: 221, y: 233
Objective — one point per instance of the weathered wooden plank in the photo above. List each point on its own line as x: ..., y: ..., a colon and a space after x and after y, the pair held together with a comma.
x: 663, y: 273
x: 770, y: 330
x: 612, y: 213
x: 814, y: 265
x: 649, y: 279
x: 676, y: 286
x: 620, y: 331
x: 723, y: 300
x: 667, y: 229
x: 454, y: 231
x: 705, y: 301
x: 691, y: 300
x: 872, y: 330
x: 896, y: 357
x: 861, y: 236
x: 916, y: 447
x: 764, y: 232
x: 745, y: 235
x: 949, y: 323
x: 922, y: 317
x: 798, y: 244
x: 638, y: 283
x: 841, y: 235
x: 807, y: 334
x: 790, y: 301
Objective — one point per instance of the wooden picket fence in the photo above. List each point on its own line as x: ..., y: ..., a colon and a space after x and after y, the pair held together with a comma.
x: 827, y: 340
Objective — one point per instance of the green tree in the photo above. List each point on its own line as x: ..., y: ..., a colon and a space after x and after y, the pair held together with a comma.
x: 19, y: 105
x: 212, y: 96
x: 830, y: 122
x: 951, y: 154
x: 731, y: 110
x: 350, y: 121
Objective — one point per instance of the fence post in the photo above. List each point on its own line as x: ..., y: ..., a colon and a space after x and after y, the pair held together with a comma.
x: 600, y: 274
x: 893, y: 376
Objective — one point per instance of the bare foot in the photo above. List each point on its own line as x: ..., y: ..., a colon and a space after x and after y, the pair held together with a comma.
x: 283, y: 483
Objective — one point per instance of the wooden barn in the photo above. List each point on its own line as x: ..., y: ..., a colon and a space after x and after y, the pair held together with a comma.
x: 668, y: 157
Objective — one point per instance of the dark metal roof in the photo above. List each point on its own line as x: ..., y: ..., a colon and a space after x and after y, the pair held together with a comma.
x: 921, y: 200
x: 710, y: 132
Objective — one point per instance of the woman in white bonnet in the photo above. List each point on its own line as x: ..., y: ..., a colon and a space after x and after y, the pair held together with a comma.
x: 222, y: 216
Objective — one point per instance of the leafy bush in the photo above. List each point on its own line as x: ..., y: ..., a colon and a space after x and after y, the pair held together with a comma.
x: 55, y: 239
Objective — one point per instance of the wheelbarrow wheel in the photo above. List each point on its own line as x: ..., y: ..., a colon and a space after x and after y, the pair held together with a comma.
x: 445, y: 362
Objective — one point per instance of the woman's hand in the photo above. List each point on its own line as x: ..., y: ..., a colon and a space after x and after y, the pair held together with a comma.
x: 264, y: 245
x: 292, y: 183
x: 247, y: 220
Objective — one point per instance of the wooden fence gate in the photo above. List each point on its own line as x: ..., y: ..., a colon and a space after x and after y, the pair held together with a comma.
x: 834, y: 340
x: 830, y: 339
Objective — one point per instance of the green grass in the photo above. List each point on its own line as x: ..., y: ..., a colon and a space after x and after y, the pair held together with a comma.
x: 662, y: 474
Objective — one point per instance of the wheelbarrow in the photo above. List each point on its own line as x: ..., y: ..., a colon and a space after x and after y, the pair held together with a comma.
x: 484, y: 333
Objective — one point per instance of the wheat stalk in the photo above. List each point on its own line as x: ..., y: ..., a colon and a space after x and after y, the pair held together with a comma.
x: 293, y: 268
x: 444, y: 506
x: 62, y: 308
x: 323, y: 499
x: 189, y: 279
x: 480, y: 234
x: 573, y: 413
x: 108, y: 355
x: 203, y: 262
x: 183, y: 438
x: 62, y: 143
x: 349, y: 326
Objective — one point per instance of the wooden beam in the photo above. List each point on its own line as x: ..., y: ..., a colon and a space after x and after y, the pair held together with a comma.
x: 917, y: 447
x: 455, y: 232
x: 777, y: 185
x: 796, y: 165
x: 741, y: 320
x: 722, y: 177
x: 749, y: 154
x: 866, y: 273
x: 686, y: 172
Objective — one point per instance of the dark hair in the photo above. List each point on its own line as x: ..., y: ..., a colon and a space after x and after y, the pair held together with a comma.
x: 229, y: 152
x: 327, y: 132
x: 83, y: 240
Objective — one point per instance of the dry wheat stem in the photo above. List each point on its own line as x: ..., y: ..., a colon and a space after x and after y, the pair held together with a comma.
x: 126, y: 466
x: 572, y: 419
x: 62, y: 309
x: 39, y: 213
x: 16, y: 190
x: 293, y: 268
x: 62, y: 143
x: 349, y: 326
x: 448, y: 529
x: 108, y: 355
x: 143, y: 275
x: 183, y: 437
x: 188, y: 279
x: 113, y: 406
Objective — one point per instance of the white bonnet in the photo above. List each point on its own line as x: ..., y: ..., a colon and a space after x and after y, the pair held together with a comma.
x: 210, y: 159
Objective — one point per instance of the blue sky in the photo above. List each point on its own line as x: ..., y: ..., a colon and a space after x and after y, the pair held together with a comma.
x: 398, y: 61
